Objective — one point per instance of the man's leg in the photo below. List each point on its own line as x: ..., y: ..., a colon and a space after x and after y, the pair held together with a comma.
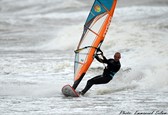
x: 96, y: 80
x: 89, y: 84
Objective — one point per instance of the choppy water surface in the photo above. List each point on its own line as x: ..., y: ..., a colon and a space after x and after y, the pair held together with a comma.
x: 37, y: 40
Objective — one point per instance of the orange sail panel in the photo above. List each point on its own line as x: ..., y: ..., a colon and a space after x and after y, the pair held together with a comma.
x: 95, y: 29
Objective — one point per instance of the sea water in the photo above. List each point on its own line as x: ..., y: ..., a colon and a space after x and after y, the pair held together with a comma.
x: 37, y: 43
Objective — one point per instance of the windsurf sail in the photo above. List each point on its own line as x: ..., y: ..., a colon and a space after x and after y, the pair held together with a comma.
x: 95, y: 29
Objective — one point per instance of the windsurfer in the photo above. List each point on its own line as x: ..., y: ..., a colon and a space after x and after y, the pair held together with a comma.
x: 113, y: 66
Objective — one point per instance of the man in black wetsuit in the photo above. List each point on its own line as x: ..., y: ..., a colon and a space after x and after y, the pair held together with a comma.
x: 113, y: 66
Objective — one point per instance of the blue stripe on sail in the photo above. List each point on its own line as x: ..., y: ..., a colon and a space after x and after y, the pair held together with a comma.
x: 98, y: 8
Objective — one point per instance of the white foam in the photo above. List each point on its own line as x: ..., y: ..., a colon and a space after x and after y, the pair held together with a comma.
x: 67, y: 38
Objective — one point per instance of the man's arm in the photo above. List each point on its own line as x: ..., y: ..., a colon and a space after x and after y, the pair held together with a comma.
x: 104, y: 60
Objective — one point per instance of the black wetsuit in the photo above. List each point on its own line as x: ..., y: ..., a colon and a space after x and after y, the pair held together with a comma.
x: 109, y: 71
